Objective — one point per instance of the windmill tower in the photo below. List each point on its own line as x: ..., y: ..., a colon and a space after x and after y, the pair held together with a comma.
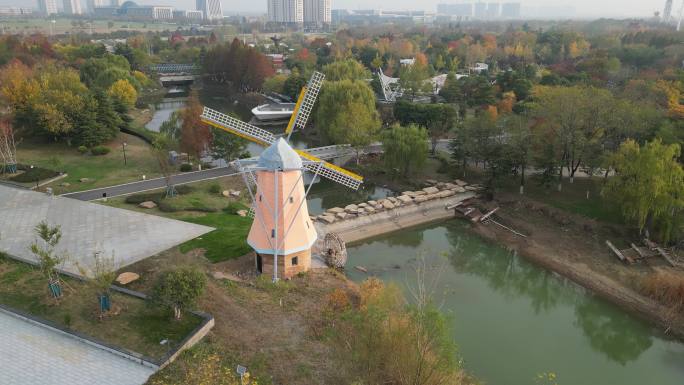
x: 282, y: 233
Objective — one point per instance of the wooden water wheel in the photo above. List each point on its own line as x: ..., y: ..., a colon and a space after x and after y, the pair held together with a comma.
x: 335, y: 251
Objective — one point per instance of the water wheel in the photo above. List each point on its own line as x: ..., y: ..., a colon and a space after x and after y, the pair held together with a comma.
x: 335, y: 251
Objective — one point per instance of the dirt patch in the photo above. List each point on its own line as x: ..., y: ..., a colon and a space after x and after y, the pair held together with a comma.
x: 276, y: 330
x: 574, y: 247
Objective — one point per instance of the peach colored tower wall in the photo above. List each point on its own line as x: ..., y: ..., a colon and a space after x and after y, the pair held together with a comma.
x: 301, y: 235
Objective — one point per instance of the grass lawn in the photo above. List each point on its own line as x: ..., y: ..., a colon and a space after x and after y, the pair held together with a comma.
x: 195, y: 204
x: 105, y: 170
x: 137, y: 326
x: 228, y: 241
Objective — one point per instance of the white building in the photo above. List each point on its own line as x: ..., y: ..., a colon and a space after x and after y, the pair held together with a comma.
x: 188, y: 15
x: 47, y: 7
x: 317, y: 12
x: 72, y: 7
x: 286, y: 11
x: 211, y: 9
x: 155, y: 12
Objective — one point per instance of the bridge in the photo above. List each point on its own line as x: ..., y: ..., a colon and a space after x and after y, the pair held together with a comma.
x: 171, y: 74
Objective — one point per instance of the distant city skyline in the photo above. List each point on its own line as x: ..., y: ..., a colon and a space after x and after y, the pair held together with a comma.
x: 582, y: 8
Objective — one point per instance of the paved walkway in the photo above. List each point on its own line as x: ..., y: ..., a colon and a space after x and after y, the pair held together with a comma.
x: 35, y: 355
x: 87, y: 228
x: 151, y: 184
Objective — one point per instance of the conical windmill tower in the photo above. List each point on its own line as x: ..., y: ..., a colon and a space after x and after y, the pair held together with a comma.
x: 282, y: 233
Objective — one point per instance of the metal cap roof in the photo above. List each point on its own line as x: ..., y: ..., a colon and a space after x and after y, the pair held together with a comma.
x: 280, y: 156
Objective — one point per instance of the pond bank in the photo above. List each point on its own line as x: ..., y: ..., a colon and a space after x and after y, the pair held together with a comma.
x: 356, y: 222
x: 575, y: 250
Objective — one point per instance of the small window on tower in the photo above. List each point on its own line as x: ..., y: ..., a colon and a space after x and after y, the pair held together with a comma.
x: 272, y: 233
x: 260, y: 197
x: 291, y: 200
x: 295, y: 261
x: 307, y: 224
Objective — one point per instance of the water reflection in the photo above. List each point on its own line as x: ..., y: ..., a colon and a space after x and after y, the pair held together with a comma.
x: 612, y: 332
x: 327, y: 194
x: 513, y: 320
x: 505, y: 272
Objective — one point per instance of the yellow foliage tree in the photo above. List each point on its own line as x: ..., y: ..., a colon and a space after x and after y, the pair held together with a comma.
x: 124, y: 92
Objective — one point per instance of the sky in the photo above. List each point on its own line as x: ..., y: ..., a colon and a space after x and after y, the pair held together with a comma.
x: 583, y: 8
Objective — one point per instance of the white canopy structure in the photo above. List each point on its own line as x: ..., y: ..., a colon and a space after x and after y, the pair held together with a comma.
x: 391, y: 89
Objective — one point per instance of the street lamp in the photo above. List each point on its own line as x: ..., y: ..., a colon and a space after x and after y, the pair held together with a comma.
x: 123, y: 147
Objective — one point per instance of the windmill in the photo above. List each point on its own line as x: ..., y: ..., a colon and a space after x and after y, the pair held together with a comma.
x: 282, y: 233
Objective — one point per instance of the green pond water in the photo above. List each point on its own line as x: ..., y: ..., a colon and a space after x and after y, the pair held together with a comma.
x: 513, y: 320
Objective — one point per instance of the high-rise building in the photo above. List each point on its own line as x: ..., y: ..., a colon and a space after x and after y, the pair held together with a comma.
x: 667, y: 13
x: 460, y: 9
x: 92, y: 4
x: 317, y: 12
x: 510, y: 10
x: 480, y: 10
x: 286, y: 11
x: 72, y: 7
x: 493, y: 10
x: 47, y: 7
x: 211, y: 9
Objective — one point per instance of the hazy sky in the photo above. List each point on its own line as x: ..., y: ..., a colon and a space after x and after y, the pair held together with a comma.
x: 582, y: 7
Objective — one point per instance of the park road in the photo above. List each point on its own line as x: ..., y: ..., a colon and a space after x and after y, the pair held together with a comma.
x: 150, y: 184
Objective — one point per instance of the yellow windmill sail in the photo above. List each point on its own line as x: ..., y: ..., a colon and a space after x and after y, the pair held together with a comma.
x: 265, y: 138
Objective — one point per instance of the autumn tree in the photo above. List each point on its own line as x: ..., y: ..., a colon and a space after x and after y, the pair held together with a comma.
x: 405, y: 148
x: 195, y: 135
x: 347, y: 114
x: 648, y: 186
x: 123, y: 92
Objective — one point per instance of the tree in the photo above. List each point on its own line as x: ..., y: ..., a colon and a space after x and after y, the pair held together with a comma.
x: 195, y: 135
x: 161, y: 146
x: 413, y: 79
x: 275, y: 84
x: 8, y: 148
x: 347, y: 113
x: 293, y: 85
x: 48, y: 259
x: 349, y: 69
x: 100, y: 276
x: 124, y: 92
x: 575, y: 118
x: 439, y: 119
x: 386, y: 340
x: 179, y: 289
x: 227, y: 146
x: 405, y: 148
x: 648, y: 186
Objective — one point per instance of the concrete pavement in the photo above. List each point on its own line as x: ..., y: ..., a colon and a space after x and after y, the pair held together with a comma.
x: 36, y: 355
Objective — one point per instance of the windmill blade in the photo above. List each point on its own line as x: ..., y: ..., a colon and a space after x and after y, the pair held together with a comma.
x: 306, y: 102
x: 237, y: 127
x: 332, y: 172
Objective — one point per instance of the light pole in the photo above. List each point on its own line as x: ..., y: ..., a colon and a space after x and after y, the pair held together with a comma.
x: 123, y: 147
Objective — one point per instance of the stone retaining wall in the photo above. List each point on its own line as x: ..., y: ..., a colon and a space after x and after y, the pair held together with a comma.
x: 356, y: 222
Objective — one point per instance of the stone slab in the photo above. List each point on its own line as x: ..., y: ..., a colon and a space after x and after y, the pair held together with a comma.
x: 87, y: 228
